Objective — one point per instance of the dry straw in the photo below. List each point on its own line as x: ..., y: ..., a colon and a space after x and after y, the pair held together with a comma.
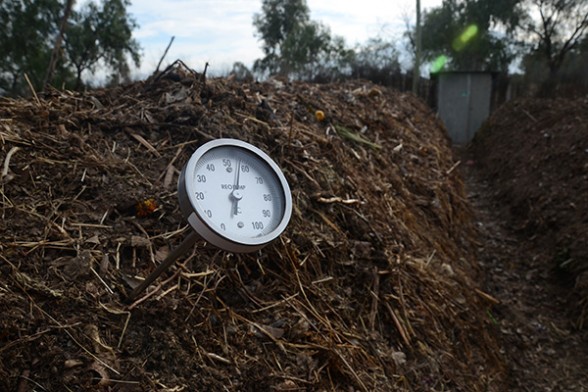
x: 372, y: 286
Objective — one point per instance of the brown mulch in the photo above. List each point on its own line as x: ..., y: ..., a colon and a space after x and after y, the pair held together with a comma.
x: 538, y: 331
x: 527, y: 177
x: 371, y: 287
x: 535, y: 153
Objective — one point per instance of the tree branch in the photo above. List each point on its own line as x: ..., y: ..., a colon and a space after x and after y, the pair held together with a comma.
x: 164, y: 53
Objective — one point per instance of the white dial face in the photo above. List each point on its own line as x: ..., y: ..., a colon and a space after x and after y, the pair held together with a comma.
x: 237, y: 193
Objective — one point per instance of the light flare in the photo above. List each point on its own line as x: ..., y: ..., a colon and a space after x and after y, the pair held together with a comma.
x: 465, y: 37
x: 439, y: 63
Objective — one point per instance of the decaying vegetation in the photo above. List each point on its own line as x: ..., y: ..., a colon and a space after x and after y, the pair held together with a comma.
x: 372, y: 286
x: 536, y: 152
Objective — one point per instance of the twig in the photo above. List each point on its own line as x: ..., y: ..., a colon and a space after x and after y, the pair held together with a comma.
x: 204, y: 74
x: 7, y: 161
x: 32, y: 89
x: 155, y: 290
x: 26, y: 339
x: 327, y: 221
x: 287, y: 299
x: 337, y: 199
x: 166, y: 292
x: 402, y: 302
x: 487, y: 297
x: 291, y: 129
x: 119, y: 312
x: 529, y: 115
x: 171, y: 66
x: 342, y: 358
x: 346, y: 133
x: 102, y: 280
x: 399, y: 326
x: 146, y: 144
x: 190, y: 275
x: 323, y: 280
x: 218, y: 358
x: 24, y: 377
x: 165, y: 53
x: 452, y: 168
x: 323, y: 320
x: 87, y: 351
x: 375, y: 298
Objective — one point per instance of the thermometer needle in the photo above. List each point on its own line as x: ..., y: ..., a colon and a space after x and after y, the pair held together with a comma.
x: 236, y: 192
x: 238, y: 171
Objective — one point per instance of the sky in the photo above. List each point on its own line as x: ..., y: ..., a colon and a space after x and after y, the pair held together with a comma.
x: 221, y: 32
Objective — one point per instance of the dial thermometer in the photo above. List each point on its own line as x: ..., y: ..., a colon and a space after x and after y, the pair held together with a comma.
x: 234, y: 196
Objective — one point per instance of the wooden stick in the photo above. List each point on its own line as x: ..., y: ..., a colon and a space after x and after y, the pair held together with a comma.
x: 375, y: 297
x: 165, y: 53
x: 452, y: 168
x: 399, y: 326
x: 32, y: 89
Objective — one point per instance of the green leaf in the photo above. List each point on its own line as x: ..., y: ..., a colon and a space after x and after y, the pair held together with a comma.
x: 346, y: 133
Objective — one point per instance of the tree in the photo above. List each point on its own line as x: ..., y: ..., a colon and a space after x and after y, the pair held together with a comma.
x: 490, y: 34
x: 99, y: 36
x: 293, y: 44
x: 24, y: 28
x: 334, y: 62
x: 303, y: 49
x: 241, y: 73
x: 472, y: 34
x: 278, y: 20
x: 558, y: 30
x: 377, y: 60
x: 102, y: 36
x: 297, y: 47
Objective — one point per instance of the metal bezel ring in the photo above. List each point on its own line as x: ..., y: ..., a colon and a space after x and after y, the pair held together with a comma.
x: 202, y: 224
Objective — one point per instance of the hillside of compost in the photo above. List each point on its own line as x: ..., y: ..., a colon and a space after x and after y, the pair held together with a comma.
x: 535, y: 154
x: 371, y: 287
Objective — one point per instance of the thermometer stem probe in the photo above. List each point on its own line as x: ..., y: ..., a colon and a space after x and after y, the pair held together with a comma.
x: 185, y: 246
x: 237, y: 212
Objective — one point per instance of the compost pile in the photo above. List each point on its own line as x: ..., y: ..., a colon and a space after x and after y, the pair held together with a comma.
x: 371, y: 287
x: 535, y: 153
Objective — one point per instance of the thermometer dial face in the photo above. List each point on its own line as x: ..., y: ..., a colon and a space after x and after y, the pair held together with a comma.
x: 234, y: 195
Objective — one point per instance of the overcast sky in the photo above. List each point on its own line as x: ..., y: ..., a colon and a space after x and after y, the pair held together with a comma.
x: 221, y: 31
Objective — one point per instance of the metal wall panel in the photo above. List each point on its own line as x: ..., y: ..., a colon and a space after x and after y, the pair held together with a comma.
x: 464, y: 103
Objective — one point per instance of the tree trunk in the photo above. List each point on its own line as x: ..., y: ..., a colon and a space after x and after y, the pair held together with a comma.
x: 57, y: 47
x: 416, y: 76
x: 549, y: 86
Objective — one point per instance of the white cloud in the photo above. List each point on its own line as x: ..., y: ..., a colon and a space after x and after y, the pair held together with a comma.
x: 221, y: 31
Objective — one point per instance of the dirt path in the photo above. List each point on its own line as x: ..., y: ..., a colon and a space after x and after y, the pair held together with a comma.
x: 544, y: 349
